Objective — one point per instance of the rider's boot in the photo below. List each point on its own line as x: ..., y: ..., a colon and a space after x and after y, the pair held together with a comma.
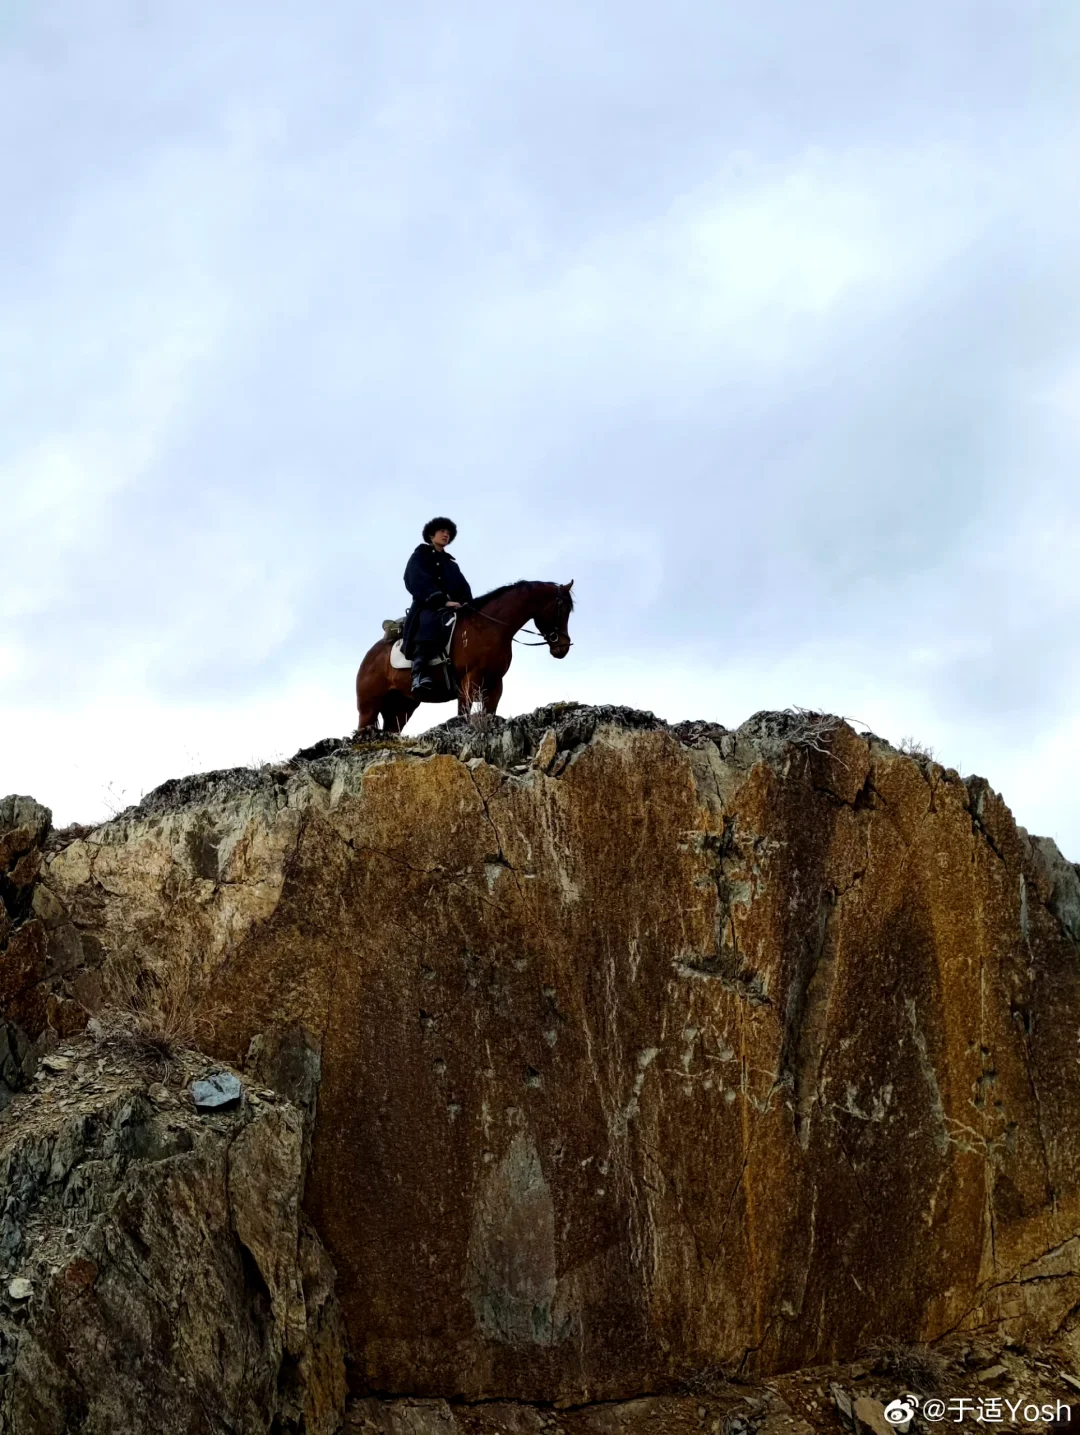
x: 422, y: 682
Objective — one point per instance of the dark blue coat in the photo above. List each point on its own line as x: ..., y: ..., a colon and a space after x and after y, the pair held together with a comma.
x: 433, y: 579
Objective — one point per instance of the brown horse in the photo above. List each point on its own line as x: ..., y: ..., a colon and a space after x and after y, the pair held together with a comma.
x: 480, y: 654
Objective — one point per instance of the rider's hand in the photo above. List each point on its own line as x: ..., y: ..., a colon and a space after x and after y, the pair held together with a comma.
x: 453, y: 605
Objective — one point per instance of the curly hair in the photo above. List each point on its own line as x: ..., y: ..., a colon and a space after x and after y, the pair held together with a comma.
x: 437, y: 523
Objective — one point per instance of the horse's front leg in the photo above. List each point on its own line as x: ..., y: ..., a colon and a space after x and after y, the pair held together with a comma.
x: 491, y: 695
x: 478, y: 689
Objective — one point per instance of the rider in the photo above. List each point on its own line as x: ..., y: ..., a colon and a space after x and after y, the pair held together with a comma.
x: 436, y: 584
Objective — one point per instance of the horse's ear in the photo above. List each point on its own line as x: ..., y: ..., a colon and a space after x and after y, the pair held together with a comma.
x: 569, y: 585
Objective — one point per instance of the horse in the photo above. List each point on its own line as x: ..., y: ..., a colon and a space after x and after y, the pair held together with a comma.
x: 480, y: 654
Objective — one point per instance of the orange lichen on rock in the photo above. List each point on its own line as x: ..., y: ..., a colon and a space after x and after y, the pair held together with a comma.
x: 644, y: 1050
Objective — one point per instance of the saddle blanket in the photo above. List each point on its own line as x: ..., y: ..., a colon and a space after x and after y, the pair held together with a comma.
x: 398, y: 661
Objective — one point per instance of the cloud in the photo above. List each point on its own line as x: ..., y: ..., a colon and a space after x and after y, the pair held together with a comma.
x: 761, y: 327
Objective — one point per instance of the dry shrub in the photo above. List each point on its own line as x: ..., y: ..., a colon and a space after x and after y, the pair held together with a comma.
x: 918, y: 1368
x: 707, y: 1384
x: 813, y: 730
x: 154, y: 1023
x: 920, y: 751
x: 472, y: 694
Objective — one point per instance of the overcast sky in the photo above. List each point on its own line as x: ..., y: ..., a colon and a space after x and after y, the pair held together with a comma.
x: 758, y: 321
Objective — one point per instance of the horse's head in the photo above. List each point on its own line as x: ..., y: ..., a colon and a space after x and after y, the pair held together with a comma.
x: 553, y: 615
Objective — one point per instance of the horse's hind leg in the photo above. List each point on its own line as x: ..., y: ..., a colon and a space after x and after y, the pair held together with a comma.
x: 369, y: 693
x: 396, y: 711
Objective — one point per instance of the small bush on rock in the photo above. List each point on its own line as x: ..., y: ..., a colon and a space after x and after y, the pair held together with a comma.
x: 154, y: 1024
x: 915, y: 1367
x: 920, y: 751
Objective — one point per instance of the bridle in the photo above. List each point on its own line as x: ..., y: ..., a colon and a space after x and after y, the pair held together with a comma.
x: 537, y: 632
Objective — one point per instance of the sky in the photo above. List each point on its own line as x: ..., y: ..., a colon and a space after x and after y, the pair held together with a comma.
x: 759, y: 322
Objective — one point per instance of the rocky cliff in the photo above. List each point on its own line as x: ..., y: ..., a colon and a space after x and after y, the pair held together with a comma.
x: 158, y: 1275
x: 645, y: 1050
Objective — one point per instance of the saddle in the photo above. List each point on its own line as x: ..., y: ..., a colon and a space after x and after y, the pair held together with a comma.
x: 392, y: 629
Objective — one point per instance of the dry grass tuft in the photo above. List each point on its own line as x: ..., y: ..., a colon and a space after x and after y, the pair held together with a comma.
x: 920, y: 751
x: 706, y: 1384
x: 155, y: 1024
x: 918, y: 1368
x: 472, y: 699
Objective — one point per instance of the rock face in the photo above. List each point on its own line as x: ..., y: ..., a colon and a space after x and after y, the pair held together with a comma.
x: 46, y: 986
x: 644, y: 1050
x: 158, y: 1276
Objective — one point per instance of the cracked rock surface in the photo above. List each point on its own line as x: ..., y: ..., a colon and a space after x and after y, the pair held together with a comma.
x: 158, y: 1277
x: 644, y: 1049
x: 48, y: 980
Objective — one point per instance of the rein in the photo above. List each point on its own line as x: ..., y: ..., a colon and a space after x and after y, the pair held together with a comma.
x: 533, y: 632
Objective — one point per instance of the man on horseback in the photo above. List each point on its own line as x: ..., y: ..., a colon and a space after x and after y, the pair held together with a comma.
x: 438, y: 587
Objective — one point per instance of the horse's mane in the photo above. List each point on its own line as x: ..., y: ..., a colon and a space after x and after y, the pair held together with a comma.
x: 486, y: 598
